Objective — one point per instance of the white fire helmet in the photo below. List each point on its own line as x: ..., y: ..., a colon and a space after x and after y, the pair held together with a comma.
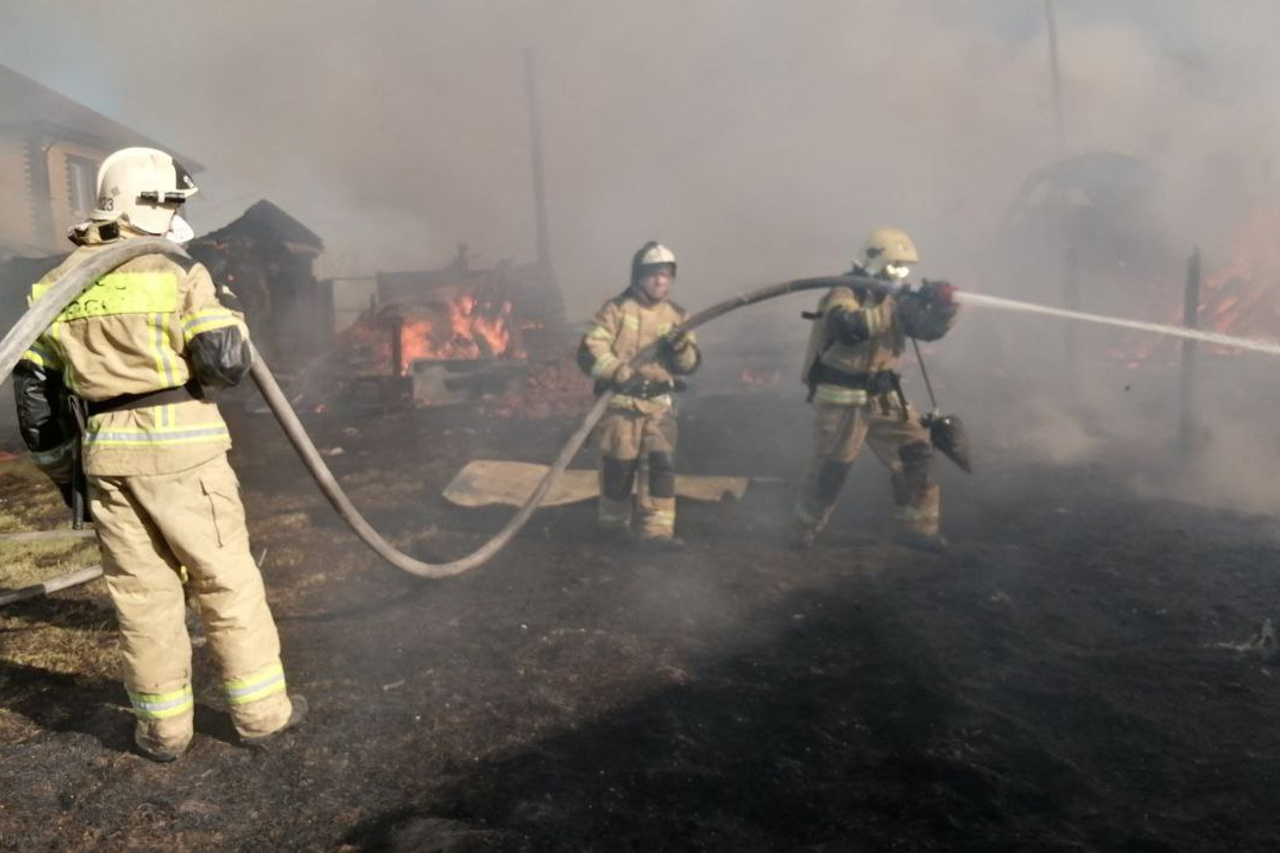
x: 889, y: 250
x: 651, y: 254
x: 144, y: 187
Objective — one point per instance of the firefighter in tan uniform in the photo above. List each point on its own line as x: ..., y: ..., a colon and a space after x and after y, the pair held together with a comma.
x: 857, y: 340
x: 638, y: 433
x: 132, y: 355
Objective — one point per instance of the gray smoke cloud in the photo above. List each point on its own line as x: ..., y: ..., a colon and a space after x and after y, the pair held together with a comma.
x: 760, y: 139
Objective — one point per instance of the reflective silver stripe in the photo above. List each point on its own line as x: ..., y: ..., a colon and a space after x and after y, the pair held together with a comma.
x: 164, y: 363
x: 211, y: 315
x: 159, y: 436
x: 834, y: 395
x: 159, y: 706
x: 910, y: 513
x: 245, y: 690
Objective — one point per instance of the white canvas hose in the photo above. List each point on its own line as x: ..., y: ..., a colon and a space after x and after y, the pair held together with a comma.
x: 42, y: 313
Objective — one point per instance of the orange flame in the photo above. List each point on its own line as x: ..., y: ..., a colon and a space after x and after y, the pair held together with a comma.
x: 461, y: 329
x: 769, y: 377
x: 1243, y: 296
x: 466, y: 327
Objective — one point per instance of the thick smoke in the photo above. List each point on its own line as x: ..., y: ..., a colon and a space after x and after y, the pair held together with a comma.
x: 759, y: 139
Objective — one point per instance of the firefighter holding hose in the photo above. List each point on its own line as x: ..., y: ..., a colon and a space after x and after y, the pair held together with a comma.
x: 121, y: 374
x: 637, y: 436
x: 850, y: 367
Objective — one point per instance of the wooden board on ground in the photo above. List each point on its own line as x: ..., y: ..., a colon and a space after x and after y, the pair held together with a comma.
x: 484, y: 482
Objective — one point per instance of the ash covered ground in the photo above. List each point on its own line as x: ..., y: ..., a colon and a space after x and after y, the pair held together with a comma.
x: 1077, y: 673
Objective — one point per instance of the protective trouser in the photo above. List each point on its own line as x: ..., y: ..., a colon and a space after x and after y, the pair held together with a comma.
x: 148, y: 528
x: 631, y: 443
x: 902, y: 444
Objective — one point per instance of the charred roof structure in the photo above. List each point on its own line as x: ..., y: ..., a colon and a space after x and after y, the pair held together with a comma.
x: 265, y: 258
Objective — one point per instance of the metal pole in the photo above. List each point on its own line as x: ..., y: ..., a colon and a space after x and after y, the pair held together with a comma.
x: 1071, y: 301
x: 1190, y: 319
x: 535, y: 153
x: 397, y: 347
x: 1055, y: 77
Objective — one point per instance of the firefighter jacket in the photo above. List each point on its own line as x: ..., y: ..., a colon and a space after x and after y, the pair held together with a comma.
x: 625, y: 325
x: 153, y: 323
x: 858, y: 337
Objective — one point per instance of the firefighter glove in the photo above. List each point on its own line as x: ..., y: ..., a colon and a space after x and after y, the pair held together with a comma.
x: 939, y: 293
x: 632, y: 386
x: 678, y: 340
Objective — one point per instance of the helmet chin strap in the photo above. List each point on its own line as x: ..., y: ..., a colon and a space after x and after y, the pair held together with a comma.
x: 180, y: 231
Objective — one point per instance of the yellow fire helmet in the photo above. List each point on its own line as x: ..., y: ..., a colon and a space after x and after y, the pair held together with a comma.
x: 889, y: 250
x: 143, y: 187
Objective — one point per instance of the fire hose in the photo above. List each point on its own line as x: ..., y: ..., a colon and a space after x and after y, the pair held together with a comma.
x: 68, y: 288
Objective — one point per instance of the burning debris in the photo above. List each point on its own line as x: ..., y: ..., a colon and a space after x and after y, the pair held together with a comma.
x: 454, y: 324
x: 1243, y: 296
x: 451, y: 335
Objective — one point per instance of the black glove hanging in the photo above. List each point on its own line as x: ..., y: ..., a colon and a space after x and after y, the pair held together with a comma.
x: 946, y: 432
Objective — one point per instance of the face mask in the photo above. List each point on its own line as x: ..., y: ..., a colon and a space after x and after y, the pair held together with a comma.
x: 180, y: 231
x: 897, y: 272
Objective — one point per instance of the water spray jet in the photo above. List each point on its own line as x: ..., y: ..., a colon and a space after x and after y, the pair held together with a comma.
x: 980, y: 300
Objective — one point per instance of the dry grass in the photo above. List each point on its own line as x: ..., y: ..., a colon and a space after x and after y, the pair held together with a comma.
x: 29, y: 502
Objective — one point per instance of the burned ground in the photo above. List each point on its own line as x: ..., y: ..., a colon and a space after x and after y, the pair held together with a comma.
x: 1062, y: 679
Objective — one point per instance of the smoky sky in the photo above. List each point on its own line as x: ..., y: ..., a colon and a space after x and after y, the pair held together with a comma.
x: 760, y: 139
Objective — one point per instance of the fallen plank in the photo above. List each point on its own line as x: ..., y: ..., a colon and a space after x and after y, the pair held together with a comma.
x: 485, y: 482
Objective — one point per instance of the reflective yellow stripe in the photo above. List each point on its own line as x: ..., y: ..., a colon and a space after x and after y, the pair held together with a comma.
x: 910, y: 513
x: 120, y: 293
x: 160, y: 344
x: 206, y: 321
x: 631, y: 322
x: 161, y: 435
x: 53, y: 338
x: 257, y: 686
x: 599, y: 333
x: 160, y: 706
x: 604, y: 365
x: 660, y: 518
x: 834, y: 395
x: 41, y: 356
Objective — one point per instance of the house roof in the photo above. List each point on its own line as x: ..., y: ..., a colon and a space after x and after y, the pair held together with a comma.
x: 264, y: 219
x: 29, y: 106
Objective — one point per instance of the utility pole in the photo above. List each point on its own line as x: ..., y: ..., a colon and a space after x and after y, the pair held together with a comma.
x: 1055, y: 78
x: 535, y: 153
x: 1071, y: 334
x: 1187, y: 422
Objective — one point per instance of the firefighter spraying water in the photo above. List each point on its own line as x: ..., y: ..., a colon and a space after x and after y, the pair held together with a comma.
x: 187, y: 339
